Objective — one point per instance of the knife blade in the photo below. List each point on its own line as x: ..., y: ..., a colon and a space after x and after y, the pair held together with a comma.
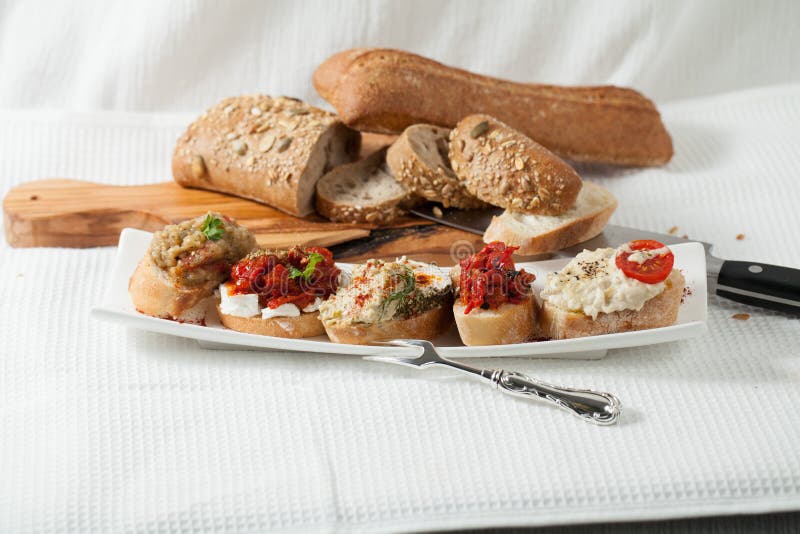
x: 756, y: 283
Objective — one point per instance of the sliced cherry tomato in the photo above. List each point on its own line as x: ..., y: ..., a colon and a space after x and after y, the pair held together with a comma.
x: 650, y: 271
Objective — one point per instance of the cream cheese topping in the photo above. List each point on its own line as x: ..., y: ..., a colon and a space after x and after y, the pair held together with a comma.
x: 366, y: 295
x: 641, y: 256
x: 592, y: 284
x: 246, y: 305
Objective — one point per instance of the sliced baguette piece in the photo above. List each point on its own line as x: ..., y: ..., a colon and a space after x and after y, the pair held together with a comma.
x: 539, y: 234
x: 154, y: 293
x: 419, y: 160
x: 363, y: 192
x: 504, y: 167
x: 509, y: 323
x: 305, y: 325
x: 426, y: 325
x: 661, y: 310
x: 272, y: 150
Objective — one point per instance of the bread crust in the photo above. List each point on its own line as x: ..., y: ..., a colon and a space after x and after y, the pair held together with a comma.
x: 272, y: 150
x: 659, y: 311
x: 427, y: 325
x: 573, y: 230
x: 503, y: 167
x: 412, y: 164
x: 305, y: 325
x: 509, y: 323
x: 381, y: 213
x: 385, y: 90
x: 153, y: 293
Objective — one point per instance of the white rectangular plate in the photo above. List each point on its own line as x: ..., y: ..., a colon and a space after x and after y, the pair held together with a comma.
x: 689, y: 258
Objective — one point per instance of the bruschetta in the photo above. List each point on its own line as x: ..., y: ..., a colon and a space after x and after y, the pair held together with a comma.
x: 389, y: 300
x: 495, y: 304
x: 185, y: 263
x: 278, y: 293
x: 607, y: 290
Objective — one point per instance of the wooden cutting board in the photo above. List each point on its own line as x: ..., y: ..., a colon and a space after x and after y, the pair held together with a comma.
x: 74, y: 213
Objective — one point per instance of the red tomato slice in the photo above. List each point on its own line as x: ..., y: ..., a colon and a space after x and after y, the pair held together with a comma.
x: 652, y: 270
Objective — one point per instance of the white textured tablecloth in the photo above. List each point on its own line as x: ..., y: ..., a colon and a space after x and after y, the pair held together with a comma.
x: 104, y: 428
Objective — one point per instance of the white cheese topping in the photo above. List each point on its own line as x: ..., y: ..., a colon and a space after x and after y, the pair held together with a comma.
x: 238, y: 305
x: 314, y: 306
x: 592, y: 283
x: 641, y: 256
x: 246, y: 305
x: 284, y: 310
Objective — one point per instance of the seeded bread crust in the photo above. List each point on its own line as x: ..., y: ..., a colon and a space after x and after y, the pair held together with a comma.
x: 305, y: 325
x: 427, y: 325
x: 661, y: 310
x: 388, y: 200
x: 539, y: 234
x: 419, y: 160
x: 384, y: 90
x: 502, y: 166
x: 272, y: 150
x: 509, y: 323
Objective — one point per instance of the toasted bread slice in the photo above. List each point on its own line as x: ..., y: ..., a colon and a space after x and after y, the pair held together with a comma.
x: 538, y: 234
x: 426, y: 325
x: 364, y: 192
x: 509, y: 323
x: 419, y: 160
x: 305, y: 325
x: 154, y: 293
x: 661, y: 310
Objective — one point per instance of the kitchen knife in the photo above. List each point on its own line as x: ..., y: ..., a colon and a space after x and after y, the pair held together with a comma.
x: 750, y: 282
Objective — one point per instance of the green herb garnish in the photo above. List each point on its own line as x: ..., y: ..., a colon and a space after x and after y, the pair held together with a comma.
x: 313, y: 259
x: 213, y: 228
x: 409, y: 285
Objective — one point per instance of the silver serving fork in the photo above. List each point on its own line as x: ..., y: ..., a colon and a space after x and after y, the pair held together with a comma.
x: 592, y: 406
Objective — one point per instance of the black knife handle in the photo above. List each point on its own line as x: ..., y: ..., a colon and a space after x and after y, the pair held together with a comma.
x: 760, y: 284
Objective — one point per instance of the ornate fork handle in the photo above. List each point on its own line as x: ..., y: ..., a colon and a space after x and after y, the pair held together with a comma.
x: 592, y: 406
x: 595, y: 407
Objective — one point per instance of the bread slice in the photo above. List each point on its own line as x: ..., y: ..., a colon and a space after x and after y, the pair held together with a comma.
x: 305, y: 325
x: 419, y: 160
x: 272, y: 150
x: 509, y: 323
x: 363, y: 192
x: 661, y: 310
x: 426, y: 325
x: 539, y: 234
x: 504, y: 167
x: 154, y: 293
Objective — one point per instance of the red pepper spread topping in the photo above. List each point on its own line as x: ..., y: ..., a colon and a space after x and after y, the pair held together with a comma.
x: 296, y: 276
x: 488, y: 278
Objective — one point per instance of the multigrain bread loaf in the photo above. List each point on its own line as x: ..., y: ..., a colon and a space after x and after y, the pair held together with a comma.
x: 539, y: 234
x: 419, y: 160
x: 502, y: 166
x: 272, y: 150
x: 384, y: 90
x: 364, y: 191
x: 661, y: 310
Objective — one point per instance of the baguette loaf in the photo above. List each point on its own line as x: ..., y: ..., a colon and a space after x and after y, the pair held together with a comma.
x: 384, y: 90
x: 272, y: 150
x: 501, y: 166
x: 419, y: 160
x: 661, y: 310
x: 539, y: 234
x: 363, y: 192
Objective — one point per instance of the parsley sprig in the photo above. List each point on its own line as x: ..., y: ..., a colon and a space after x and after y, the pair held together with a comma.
x: 213, y: 228
x: 409, y: 285
x: 313, y: 259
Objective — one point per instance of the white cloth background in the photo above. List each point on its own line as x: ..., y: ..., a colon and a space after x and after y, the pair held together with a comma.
x: 108, y: 429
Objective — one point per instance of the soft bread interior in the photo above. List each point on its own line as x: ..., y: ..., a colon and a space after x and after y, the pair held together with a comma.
x: 365, y: 185
x: 431, y: 145
x: 337, y: 146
